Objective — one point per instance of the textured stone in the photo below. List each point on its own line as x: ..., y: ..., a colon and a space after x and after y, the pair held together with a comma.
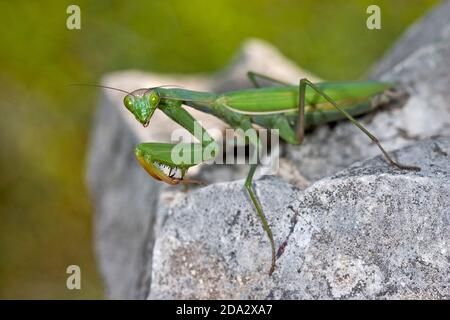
x: 432, y: 28
x: 368, y: 232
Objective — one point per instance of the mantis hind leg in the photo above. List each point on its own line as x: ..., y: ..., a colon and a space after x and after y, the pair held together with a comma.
x: 261, y: 215
x: 253, y: 76
x: 300, y: 125
x: 251, y: 192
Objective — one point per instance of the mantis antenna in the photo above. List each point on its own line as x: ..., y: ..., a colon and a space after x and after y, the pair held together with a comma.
x: 96, y: 85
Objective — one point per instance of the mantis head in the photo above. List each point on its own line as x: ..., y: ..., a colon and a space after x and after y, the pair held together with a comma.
x: 142, y: 103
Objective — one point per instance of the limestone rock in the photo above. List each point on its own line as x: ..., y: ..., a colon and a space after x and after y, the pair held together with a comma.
x: 368, y: 232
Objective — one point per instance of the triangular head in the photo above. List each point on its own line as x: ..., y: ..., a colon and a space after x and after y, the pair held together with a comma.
x: 142, y: 103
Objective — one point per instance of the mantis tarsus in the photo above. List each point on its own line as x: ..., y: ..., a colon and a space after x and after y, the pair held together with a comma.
x: 289, y: 108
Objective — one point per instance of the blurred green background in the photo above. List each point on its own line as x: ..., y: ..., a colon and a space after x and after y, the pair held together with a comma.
x: 45, y: 210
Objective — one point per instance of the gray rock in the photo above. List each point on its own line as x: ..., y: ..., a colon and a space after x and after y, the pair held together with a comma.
x: 367, y: 232
x: 420, y: 64
x: 130, y: 206
x: 433, y: 28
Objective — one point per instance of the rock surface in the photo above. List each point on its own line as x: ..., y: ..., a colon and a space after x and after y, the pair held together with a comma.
x: 367, y: 232
x: 433, y: 28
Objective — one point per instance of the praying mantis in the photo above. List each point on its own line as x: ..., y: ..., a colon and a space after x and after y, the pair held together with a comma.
x: 288, y: 108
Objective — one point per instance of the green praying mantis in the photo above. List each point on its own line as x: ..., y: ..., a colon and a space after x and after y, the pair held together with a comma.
x: 288, y: 108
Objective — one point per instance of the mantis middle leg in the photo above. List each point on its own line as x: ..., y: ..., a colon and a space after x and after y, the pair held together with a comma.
x: 256, y: 203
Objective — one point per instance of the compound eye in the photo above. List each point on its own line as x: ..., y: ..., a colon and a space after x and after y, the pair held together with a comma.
x: 128, y: 102
x: 153, y: 98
